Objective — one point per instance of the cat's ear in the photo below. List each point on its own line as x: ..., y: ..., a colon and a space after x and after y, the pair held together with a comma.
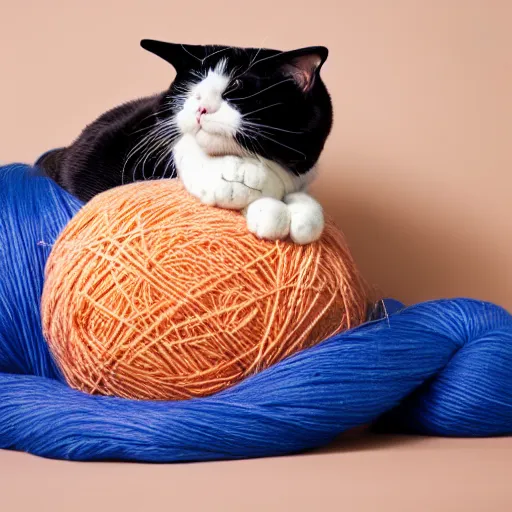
x: 180, y: 56
x: 303, y: 65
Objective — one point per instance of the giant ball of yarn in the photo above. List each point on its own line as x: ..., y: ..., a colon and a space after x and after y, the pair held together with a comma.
x: 151, y: 295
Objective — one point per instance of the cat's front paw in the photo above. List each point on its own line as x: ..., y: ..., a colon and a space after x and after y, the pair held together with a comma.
x: 306, y: 218
x: 231, y: 189
x: 298, y: 217
x: 268, y: 218
x: 243, y: 181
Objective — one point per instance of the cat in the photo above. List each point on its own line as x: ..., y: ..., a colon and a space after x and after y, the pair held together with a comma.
x: 243, y: 129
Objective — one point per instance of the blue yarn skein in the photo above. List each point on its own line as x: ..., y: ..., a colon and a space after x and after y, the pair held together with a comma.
x: 442, y: 367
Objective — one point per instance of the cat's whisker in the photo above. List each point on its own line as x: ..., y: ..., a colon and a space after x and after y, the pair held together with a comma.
x: 265, y: 135
x: 147, y: 139
x: 252, y: 141
x: 219, y: 123
x: 169, y: 165
x: 140, y: 130
x: 214, y: 53
x: 167, y: 127
x: 158, y: 138
x: 165, y: 154
x: 267, y: 58
x: 197, y: 74
x: 137, y: 163
x: 253, y: 61
x: 148, y: 155
x: 232, y: 74
x: 253, y: 134
x: 257, y: 125
x: 166, y: 131
x: 263, y: 90
x: 184, y: 89
x: 260, y: 109
x: 158, y: 121
x: 284, y: 145
x: 159, y: 143
x: 191, y: 54
x: 143, y: 142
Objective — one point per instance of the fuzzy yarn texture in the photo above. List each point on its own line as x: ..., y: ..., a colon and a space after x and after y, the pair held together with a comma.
x: 440, y: 368
x: 150, y: 294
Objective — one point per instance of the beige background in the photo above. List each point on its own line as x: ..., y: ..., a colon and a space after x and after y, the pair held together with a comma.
x: 417, y: 173
x: 418, y: 170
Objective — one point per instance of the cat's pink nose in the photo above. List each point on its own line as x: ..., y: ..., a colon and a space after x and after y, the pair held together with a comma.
x: 201, y: 111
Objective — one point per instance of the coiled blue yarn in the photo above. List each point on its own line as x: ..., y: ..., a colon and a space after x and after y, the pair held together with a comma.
x: 441, y: 368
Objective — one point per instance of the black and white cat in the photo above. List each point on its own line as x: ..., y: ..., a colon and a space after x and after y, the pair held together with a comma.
x: 242, y: 128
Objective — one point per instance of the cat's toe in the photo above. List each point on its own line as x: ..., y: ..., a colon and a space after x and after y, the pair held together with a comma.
x: 268, y: 218
x: 306, y: 223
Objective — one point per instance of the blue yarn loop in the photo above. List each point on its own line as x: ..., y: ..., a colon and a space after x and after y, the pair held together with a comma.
x: 442, y: 367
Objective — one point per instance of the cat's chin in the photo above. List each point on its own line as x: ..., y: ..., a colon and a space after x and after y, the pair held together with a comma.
x: 214, y: 144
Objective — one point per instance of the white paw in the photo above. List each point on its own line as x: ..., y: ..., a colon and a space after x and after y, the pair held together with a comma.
x: 256, y: 175
x: 268, y: 218
x: 306, y: 218
x: 233, y: 188
x: 244, y: 181
x: 226, y: 181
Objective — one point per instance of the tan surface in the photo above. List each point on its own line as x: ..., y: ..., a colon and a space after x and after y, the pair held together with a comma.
x: 374, y: 474
x: 417, y: 173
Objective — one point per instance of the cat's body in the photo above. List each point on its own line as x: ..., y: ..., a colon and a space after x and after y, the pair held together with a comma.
x: 96, y: 161
x: 242, y: 128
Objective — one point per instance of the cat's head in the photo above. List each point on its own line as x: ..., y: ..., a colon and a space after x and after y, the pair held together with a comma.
x: 239, y: 100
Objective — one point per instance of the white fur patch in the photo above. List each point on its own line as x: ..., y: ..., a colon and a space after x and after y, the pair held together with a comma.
x: 216, y: 170
x: 227, y: 181
x: 216, y: 128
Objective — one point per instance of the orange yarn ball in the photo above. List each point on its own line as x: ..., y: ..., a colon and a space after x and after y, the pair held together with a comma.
x: 151, y: 295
